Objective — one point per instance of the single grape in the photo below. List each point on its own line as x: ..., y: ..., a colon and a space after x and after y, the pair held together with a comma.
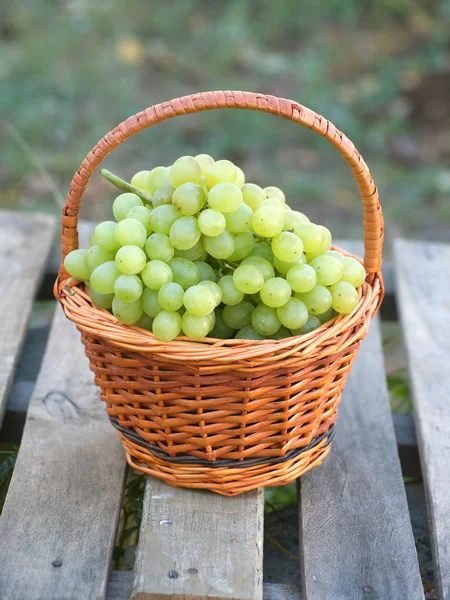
x: 158, y: 177
x: 91, y: 240
x: 184, y: 233
x: 166, y: 325
x: 265, y: 320
x: 274, y: 203
x: 243, y: 245
x: 130, y: 260
x: 230, y: 294
x: 199, y: 300
x: 267, y: 221
x: 292, y: 218
x: 336, y: 254
x: 155, y: 274
x: 105, y: 235
x: 318, y: 300
x: 354, y: 272
x: 185, y: 272
x: 240, y: 219
x: 211, y: 222
x: 215, y: 289
x: 261, y: 264
x: 325, y: 246
x: 188, y: 199
x: 287, y: 246
x: 145, y: 322
x: 142, y: 214
x: 326, y: 316
x: 248, y: 333
x: 225, y: 197
x: 128, y: 288
x: 101, y: 300
x: 275, y: 292
x: 197, y: 252
x: 293, y: 314
x: 328, y: 269
x: 311, y: 235
x: 253, y: 195
x: 311, y: 324
x: 262, y: 250
x: 158, y: 247
x: 344, y: 297
x: 163, y: 195
x: 205, y: 161
x: 141, y: 181
x: 284, y: 267
x: 281, y: 334
x: 220, y: 330
x: 131, y: 232
x: 163, y: 217
x: 104, y: 277
x: 222, y: 171
x: 273, y: 192
x: 239, y: 315
x: 123, y: 204
x: 207, y: 273
x: 301, y: 278
x: 248, y: 279
x: 221, y: 246
x: 150, y: 302
x: 170, y: 296
x: 240, y: 178
x: 194, y: 327
x: 185, y: 170
x: 127, y: 312
x: 76, y: 265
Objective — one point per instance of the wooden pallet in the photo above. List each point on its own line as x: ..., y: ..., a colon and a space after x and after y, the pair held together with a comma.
x: 59, y: 522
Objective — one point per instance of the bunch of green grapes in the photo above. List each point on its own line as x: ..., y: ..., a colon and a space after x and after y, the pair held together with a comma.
x: 201, y: 253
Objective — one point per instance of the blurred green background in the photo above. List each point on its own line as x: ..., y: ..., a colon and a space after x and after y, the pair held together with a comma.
x: 71, y: 70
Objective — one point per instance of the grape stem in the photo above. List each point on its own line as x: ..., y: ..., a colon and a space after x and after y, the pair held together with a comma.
x: 125, y: 186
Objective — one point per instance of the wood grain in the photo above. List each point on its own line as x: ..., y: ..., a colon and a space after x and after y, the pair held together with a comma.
x: 199, y: 545
x: 356, y: 540
x: 423, y: 284
x: 62, y: 507
x: 25, y: 242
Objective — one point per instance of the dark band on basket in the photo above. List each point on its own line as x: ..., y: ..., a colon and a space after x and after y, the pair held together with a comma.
x: 220, y: 462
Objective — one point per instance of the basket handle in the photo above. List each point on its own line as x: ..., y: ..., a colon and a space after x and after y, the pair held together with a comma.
x: 372, y: 220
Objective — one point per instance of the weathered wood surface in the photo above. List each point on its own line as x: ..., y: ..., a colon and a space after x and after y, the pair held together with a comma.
x: 25, y: 241
x: 355, y: 533
x: 199, y: 545
x: 423, y: 284
x: 61, y: 512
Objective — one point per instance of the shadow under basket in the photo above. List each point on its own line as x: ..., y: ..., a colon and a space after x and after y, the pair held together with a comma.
x: 224, y: 415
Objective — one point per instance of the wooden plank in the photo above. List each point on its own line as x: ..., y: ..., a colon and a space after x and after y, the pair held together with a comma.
x: 355, y: 533
x: 199, y: 545
x: 63, y: 504
x: 423, y: 284
x: 25, y: 241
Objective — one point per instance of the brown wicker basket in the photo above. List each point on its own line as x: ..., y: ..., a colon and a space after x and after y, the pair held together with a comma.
x: 225, y: 415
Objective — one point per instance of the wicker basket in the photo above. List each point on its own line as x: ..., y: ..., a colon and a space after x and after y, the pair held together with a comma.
x: 225, y: 415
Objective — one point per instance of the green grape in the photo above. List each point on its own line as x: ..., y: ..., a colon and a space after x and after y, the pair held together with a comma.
x: 311, y: 324
x: 142, y: 214
x: 127, y: 312
x: 141, y: 181
x: 336, y: 254
x: 318, y: 300
x: 185, y: 272
x: 128, y: 288
x: 265, y: 320
x: 158, y: 177
x: 212, y: 319
x: 215, y: 289
x: 293, y: 314
x: 104, y: 277
x: 273, y: 192
x: 105, y: 236
x: 211, y: 222
x: 292, y: 218
x: 197, y: 252
x: 248, y: 333
x: 166, y: 325
x: 123, y: 204
x: 267, y: 221
x: 101, y: 300
x: 326, y: 316
x: 287, y: 246
x: 240, y: 178
x: 158, y: 247
x: 354, y: 272
x: 185, y: 170
x: 150, y: 302
x: 170, y: 296
x: 282, y: 333
x: 274, y: 203
x: 239, y: 315
x: 311, y: 235
x: 145, y: 322
x: 256, y: 298
x: 275, y: 292
x: 262, y: 264
x: 92, y: 241
x: 301, y: 278
x: 240, y: 219
x: 328, y: 269
x: 248, y: 279
x: 206, y: 271
x: 230, y: 294
x: 344, y: 297
x: 131, y: 232
x: 188, y: 199
x: 163, y: 217
x: 222, y: 171
x: 284, y: 267
x: 199, y: 300
x: 155, y: 274
x: 325, y: 246
x: 202, y: 183
x: 220, y: 330
x: 262, y: 250
x: 184, y: 233
x: 243, y: 245
x: 225, y: 197
x: 130, y: 260
x: 253, y: 195
x: 76, y: 265
x: 221, y: 246
x: 163, y: 195
x: 205, y: 161
x: 194, y: 327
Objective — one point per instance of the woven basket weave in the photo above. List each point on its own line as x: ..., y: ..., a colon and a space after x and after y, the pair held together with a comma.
x: 225, y: 415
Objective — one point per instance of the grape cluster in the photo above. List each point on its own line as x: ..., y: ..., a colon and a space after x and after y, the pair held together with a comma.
x: 214, y: 256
